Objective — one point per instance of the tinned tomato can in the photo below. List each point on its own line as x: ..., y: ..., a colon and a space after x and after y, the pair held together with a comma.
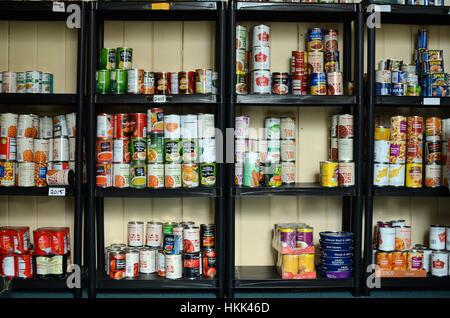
x: 191, y: 240
x: 117, y: 264
x: 136, y: 234
x: 122, y: 126
x: 437, y: 237
x: 209, y: 263
x: 139, y: 124
x: 147, y: 260
x: 154, y: 234
x: 174, y: 266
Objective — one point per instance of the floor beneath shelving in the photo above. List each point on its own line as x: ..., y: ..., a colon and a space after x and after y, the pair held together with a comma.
x: 336, y: 294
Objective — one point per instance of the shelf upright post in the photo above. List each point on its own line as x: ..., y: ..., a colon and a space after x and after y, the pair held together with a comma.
x: 90, y: 153
x: 81, y: 67
x: 230, y: 220
x: 371, y: 37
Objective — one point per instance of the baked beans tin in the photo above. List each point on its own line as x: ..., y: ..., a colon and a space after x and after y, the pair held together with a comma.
x: 136, y: 233
x: 315, y: 39
x: 345, y: 149
x: 147, y: 260
x: 398, y: 128
x: 288, y: 148
x: 139, y: 123
x: 299, y: 84
x: 172, y: 126
x: 433, y: 152
x: 382, y: 133
x: 25, y: 127
x: 174, y: 266
x: 40, y: 174
x: 189, y: 150
x: 189, y: 175
x: 334, y: 150
x: 154, y: 234
x: 397, y: 152
x: 261, y: 82
x: 138, y: 149
x: 155, y: 120
x: 131, y: 262
x: 414, y: 175
x: 437, y: 237
x: 103, y: 177
x: 380, y: 174
x: 318, y: 84
x: 433, y: 128
x: 335, y: 84
x: 174, y: 83
x: 121, y: 150
x: 439, y: 263
x: 155, y: 148
x: 203, y: 81
x: 160, y: 263
x: 381, y: 151
x: 66, y: 177
x: 346, y: 174
x: 8, y: 148
x: 7, y: 173
x: 123, y: 127
x: 260, y: 58
x: 414, y: 152
x: 402, y: 238
x: 328, y: 175
x: 124, y: 58
x: 433, y: 175
x: 60, y: 126
x: 280, y: 83
x: 396, y: 175
x: 331, y: 62
x: 9, y: 82
x: 172, y: 174
x: 8, y: 125
x: 172, y: 150
x: 155, y: 175
x: 261, y: 35
x: 206, y: 125
x: 25, y: 175
x: 104, y: 150
x: 105, y: 125
x: 288, y: 129
x: 345, y: 126
x: 138, y: 175
x: 121, y: 175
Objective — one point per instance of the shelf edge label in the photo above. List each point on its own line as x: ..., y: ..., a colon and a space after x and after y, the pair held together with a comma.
x: 58, y: 7
x: 382, y: 8
x: 161, y: 6
x: 159, y: 98
x: 56, y: 192
x: 431, y: 101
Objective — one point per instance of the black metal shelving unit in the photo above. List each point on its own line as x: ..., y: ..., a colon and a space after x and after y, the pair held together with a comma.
x: 397, y: 14
x: 265, y: 278
x: 43, y: 11
x: 151, y: 11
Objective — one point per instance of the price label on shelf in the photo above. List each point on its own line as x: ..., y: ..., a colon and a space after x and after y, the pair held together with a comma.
x: 58, y: 7
x: 161, y: 6
x: 56, y: 192
x: 433, y: 101
x: 159, y: 98
x: 382, y: 8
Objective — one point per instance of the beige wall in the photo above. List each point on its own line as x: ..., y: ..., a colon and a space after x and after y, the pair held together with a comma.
x: 173, y: 46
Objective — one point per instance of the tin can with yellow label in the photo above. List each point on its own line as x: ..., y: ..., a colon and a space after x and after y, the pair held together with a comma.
x: 328, y: 174
x: 396, y: 175
x: 414, y: 173
x: 382, y: 133
x: 306, y: 263
x: 381, y: 174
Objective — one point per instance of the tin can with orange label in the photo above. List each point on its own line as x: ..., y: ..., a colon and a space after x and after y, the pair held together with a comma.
x: 104, y: 150
x: 433, y: 128
x: 121, y: 175
x: 25, y: 150
x: 105, y: 125
x: 382, y: 133
x: 414, y: 173
x: 104, y: 175
x: 384, y: 260
x: 7, y: 173
x: 41, y: 151
x: 155, y: 175
x: 399, y: 260
x: 8, y: 125
x: 139, y: 125
x: 414, y: 128
x: 402, y: 238
x: 433, y: 175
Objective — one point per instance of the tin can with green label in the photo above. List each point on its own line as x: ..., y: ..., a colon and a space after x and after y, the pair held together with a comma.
x: 33, y: 82
x: 138, y: 175
x: 168, y: 227
x: 155, y: 148
x: 118, y: 81
x: 208, y: 174
x: 273, y: 174
x: 124, y: 58
x: 252, y: 170
x: 47, y: 83
x: 189, y: 150
x: 273, y: 128
x: 172, y: 150
x: 21, y: 82
x: 103, y: 82
x: 108, y: 58
x: 138, y: 150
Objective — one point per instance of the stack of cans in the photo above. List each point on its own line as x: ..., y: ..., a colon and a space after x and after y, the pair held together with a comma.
x: 393, y: 78
x: 37, y: 151
x: 288, y: 150
x: 339, y: 170
x: 397, y: 151
x: 433, y: 152
x: 242, y: 55
x: 31, y: 82
x: 439, y: 242
x: 299, y: 73
x: 414, y: 153
x: 260, y: 60
x: 336, y: 258
x: 171, y: 250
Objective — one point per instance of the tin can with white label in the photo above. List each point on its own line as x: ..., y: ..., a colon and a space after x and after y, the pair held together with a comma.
x: 25, y: 148
x: 61, y: 149
x: 71, y: 121
x: 381, y: 174
x: 439, y: 263
x: 206, y: 125
x: 8, y: 125
x: 41, y: 148
x: 154, y: 234
x: 155, y: 175
x: 242, y: 126
x: 25, y: 172
x: 172, y: 175
x: 172, y: 125
x: 136, y: 233
x: 261, y: 82
x: 72, y: 148
x: 437, y: 237
x: 260, y: 58
x: 433, y: 175
x: 346, y: 174
x: 131, y: 262
x: 345, y: 149
x: 174, y: 266
x: 121, y: 175
x: 396, y: 175
x: 288, y: 129
x: 189, y: 126
x: 386, y: 239
x: 21, y: 79
x: 46, y: 127
x: 288, y: 172
x: 207, y: 150
x: 238, y: 173
x: 261, y: 35
x: 147, y: 260
x: 381, y: 151
x: 160, y: 263
x: 288, y: 150
x: 9, y: 82
x: 25, y: 128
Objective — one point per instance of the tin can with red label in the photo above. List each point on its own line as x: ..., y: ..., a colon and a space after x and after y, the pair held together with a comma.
x: 346, y: 174
x: 117, y: 264
x: 60, y: 166
x: 139, y: 124
x: 261, y: 58
x: 280, y: 83
x: 316, y: 62
x: 162, y: 82
x: 191, y: 238
x: 8, y: 266
x: 149, y: 83
x: 121, y: 153
x: 105, y: 125
x: 192, y: 265
x: 299, y: 62
x: 414, y: 152
x: 261, y: 35
x: 122, y: 126
x: 103, y: 177
x: 345, y: 126
x: 104, y: 150
x: 299, y: 83
x: 209, y: 263
x: 14, y: 239
x: 51, y: 241
x: 8, y: 148
x: 207, y: 234
x: 433, y: 152
x: 261, y: 82
x: 155, y: 120
x: 24, y: 265
x: 174, y: 266
x: 414, y: 130
x: 191, y: 76
x: 433, y: 128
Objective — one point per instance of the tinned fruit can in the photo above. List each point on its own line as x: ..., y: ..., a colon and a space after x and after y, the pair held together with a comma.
x: 328, y: 175
x: 380, y: 174
x: 121, y: 175
x: 396, y: 175
x: 346, y: 174
x: 172, y: 174
x: 402, y: 238
x: 155, y: 175
x: 414, y: 175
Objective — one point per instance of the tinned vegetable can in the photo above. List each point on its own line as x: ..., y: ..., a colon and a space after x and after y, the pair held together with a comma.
x: 207, y: 174
x: 172, y: 173
x: 155, y: 148
x: 118, y: 81
x: 103, y: 82
x: 33, y: 82
x: 47, y: 83
x: 108, y: 58
x: 433, y: 175
x: 272, y: 174
x: 155, y: 175
x: 124, y: 58
x: 121, y: 175
x: 189, y: 150
x: 138, y: 175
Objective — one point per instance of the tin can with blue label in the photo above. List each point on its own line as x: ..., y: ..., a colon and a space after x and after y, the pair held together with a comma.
x: 40, y: 174
x: 399, y: 77
x: 178, y: 239
x: 315, y: 39
x: 318, y: 84
x: 383, y: 89
x: 398, y: 89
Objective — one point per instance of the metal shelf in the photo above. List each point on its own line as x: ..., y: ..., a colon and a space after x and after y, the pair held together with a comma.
x: 425, y: 282
x: 38, y: 99
x: 294, y: 100
x: 410, y: 101
x: 403, y: 191
x: 158, y: 193
x: 267, y: 277
x: 148, y: 99
x: 33, y: 191
x: 408, y: 14
x: 304, y: 189
x: 154, y: 282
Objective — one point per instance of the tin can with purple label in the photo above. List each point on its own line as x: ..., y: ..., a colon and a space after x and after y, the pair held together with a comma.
x: 305, y: 237
x: 288, y: 237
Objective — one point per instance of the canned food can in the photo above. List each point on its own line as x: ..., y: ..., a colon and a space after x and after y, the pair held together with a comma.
x: 61, y: 149
x: 437, y: 237
x: 261, y: 35
x: 172, y: 174
x: 206, y: 126
x: 138, y: 175
x: 183, y: 82
x: 335, y: 84
x: 121, y: 150
x: 155, y: 148
x: 207, y: 150
x: 135, y: 233
x: 103, y: 79
x: 299, y: 84
x: 384, y: 260
x: 154, y: 234
x: 21, y: 82
x: 445, y: 129
x: 433, y: 175
x: 191, y: 238
x: 414, y: 128
x: 288, y: 150
x: 47, y: 83
x: 241, y: 37
x: 203, y: 81
x: 174, y: 83
x: 172, y: 126
x: 331, y: 40
x: 345, y: 149
x: 160, y: 263
x: 105, y: 125
x: 241, y: 84
x: 273, y: 128
x: 447, y: 236
x: 189, y: 150
x: 414, y: 175
x: 104, y: 149
x: 414, y: 152
x: 121, y: 175
x: 316, y: 63
x: 386, y: 238
x: 328, y: 175
x: 260, y: 58
x: 71, y: 122
x: 117, y: 264
x: 139, y: 123
x: 147, y: 260
x: 33, y: 82
x: 318, y: 84
x: 288, y: 172
x: 398, y: 128
x: 299, y: 61
x: 399, y: 259
x: 64, y: 177
x: 397, y: 152
x: 433, y: 128
x: 138, y: 149
x: 103, y: 177
x: 207, y: 174
x: 439, y: 263
x: 131, y: 263
x: 381, y: 151
x: 189, y: 126
x: 315, y: 39
x: 8, y: 148
x: 26, y: 128
x: 402, y: 238
x: 25, y: 148
x: 173, y: 151
x: 189, y: 175
x: 155, y: 120
x: 346, y: 174
x: 331, y: 62
x: 280, y: 83
x: 8, y: 125
x: 108, y: 59
x: 7, y: 173
x: 397, y: 175
x: 242, y: 126
x: 207, y: 234
x: 118, y: 81
x: 60, y: 127
x: 192, y: 265
x: 433, y: 152
x: 261, y: 82
x: 162, y: 82
x: 9, y: 82
x: 272, y: 174
x: 122, y: 125
x: 72, y: 148
x: 345, y: 126
x: 155, y: 175
x: 334, y: 150
x: 149, y: 83
x: 382, y: 133
x: 209, y: 263
x: 124, y: 58
x: 238, y: 174
x: 25, y: 174
x: 40, y: 174
x: 288, y: 128
x: 174, y: 266
x: 252, y: 170
x: 381, y: 174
